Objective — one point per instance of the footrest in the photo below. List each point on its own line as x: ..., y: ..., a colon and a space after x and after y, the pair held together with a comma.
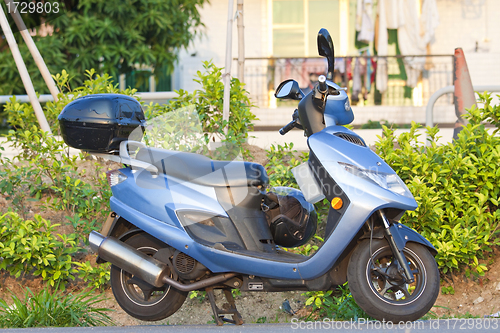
x: 228, y: 308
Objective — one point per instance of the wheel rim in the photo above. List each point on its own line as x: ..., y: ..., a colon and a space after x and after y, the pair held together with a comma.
x: 387, y: 283
x: 139, y: 292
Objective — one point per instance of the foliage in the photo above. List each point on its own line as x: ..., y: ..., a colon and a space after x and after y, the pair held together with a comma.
x: 208, y: 104
x: 82, y: 227
x: 22, y: 117
x: 49, y: 167
x: 455, y: 186
x: 235, y: 292
x: 112, y: 35
x: 98, y: 276
x: 17, y: 185
x: 309, y: 248
x: 30, y: 245
x: 199, y: 295
x: 47, y: 309
x: 448, y: 290
x: 50, y: 170
x: 377, y: 124
x: 337, y: 306
x: 178, y: 130
x: 282, y: 159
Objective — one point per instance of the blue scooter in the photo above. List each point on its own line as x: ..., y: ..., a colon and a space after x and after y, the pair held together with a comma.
x: 183, y: 222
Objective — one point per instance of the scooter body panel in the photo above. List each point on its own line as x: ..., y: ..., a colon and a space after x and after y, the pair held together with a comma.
x: 151, y: 202
x: 161, y: 196
x: 331, y: 150
x: 216, y: 260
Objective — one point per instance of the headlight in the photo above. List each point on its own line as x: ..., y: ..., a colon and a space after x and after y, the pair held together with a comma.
x: 389, y: 181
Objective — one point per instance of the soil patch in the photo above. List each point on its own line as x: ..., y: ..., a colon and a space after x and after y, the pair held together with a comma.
x: 478, y: 296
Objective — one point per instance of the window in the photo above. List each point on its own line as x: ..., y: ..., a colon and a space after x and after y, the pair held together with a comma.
x: 295, y: 25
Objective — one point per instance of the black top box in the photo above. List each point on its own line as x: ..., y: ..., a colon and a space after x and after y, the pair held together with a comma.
x: 98, y: 123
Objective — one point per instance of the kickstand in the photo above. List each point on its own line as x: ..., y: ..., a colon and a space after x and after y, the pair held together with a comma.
x: 227, y: 308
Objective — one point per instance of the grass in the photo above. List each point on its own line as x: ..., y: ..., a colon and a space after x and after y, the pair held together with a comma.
x: 53, y: 309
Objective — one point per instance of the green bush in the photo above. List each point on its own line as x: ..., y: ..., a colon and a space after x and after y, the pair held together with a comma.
x: 208, y: 104
x: 377, y: 124
x: 30, y: 246
x: 44, y: 167
x: 281, y: 161
x: 22, y: 117
x: 47, y: 309
x: 98, y: 275
x: 455, y: 185
x: 50, y: 169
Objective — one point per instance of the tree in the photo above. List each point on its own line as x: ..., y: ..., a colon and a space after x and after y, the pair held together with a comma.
x: 112, y: 36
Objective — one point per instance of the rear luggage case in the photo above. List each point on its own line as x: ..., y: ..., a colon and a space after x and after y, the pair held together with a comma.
x: 98, y: 123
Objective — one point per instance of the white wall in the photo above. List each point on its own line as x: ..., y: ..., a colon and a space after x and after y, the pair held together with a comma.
x: 462, y: 24
x: 212, y: 45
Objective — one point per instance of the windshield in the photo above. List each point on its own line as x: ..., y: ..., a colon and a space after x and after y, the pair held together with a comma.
x: 181, y: 130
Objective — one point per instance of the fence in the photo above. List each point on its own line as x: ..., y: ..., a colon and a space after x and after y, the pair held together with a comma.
x: 410, y: 80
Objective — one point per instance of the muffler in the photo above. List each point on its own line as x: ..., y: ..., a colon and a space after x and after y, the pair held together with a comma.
x: 143, y: 266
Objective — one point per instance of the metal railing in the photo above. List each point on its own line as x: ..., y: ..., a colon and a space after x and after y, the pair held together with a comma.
x: 160, y: 96
x: 429, y: 110
x: 263, y: 75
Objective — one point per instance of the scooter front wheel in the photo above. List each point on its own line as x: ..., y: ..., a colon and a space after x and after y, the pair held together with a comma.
x: 139, y: 299
x: 379, y: 288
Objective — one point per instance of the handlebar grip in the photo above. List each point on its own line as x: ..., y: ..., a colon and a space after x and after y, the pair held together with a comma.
x: 288, y: 127
x: 322, y: 83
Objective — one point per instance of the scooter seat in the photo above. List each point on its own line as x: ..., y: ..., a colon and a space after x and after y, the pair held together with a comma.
x: 201, y: 170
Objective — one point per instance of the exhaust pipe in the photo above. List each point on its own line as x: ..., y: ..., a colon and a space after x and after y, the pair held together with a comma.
x: 129, y: 259
x: 143, y: 266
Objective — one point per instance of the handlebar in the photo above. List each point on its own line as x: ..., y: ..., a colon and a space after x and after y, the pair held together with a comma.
x: 322, y: 83
x: 288, y: 127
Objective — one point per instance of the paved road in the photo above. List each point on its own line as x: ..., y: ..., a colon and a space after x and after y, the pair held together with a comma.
x: 446, y: 325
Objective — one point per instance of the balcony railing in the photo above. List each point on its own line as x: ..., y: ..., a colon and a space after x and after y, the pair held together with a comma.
x: 263, y: 75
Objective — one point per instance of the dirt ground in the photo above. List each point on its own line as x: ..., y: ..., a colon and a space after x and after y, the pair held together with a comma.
x: 254, y: 307
x: 472, y: 296
x: 475, y: 296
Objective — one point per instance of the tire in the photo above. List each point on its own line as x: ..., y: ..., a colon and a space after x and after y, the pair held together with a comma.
x: 390, y: 299
x: 161, y: 303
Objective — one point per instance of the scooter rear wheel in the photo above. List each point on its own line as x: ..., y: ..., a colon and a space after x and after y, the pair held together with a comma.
x: 380, y: 290
x: 141, y: 300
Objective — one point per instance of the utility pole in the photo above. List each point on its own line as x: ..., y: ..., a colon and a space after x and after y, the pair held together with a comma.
x: 34, y: 50
x: 241, y: 42
x: 23, y: 71
x: 227, y: 75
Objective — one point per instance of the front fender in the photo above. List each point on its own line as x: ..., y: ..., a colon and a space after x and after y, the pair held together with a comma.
x: 402, y: 235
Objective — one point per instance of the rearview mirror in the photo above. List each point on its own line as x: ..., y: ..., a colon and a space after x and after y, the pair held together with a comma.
x: 289, y: 89
x: 325, y: 49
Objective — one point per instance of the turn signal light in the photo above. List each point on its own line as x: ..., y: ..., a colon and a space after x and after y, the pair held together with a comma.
x: 337, y: 203
x: 115, y: 177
